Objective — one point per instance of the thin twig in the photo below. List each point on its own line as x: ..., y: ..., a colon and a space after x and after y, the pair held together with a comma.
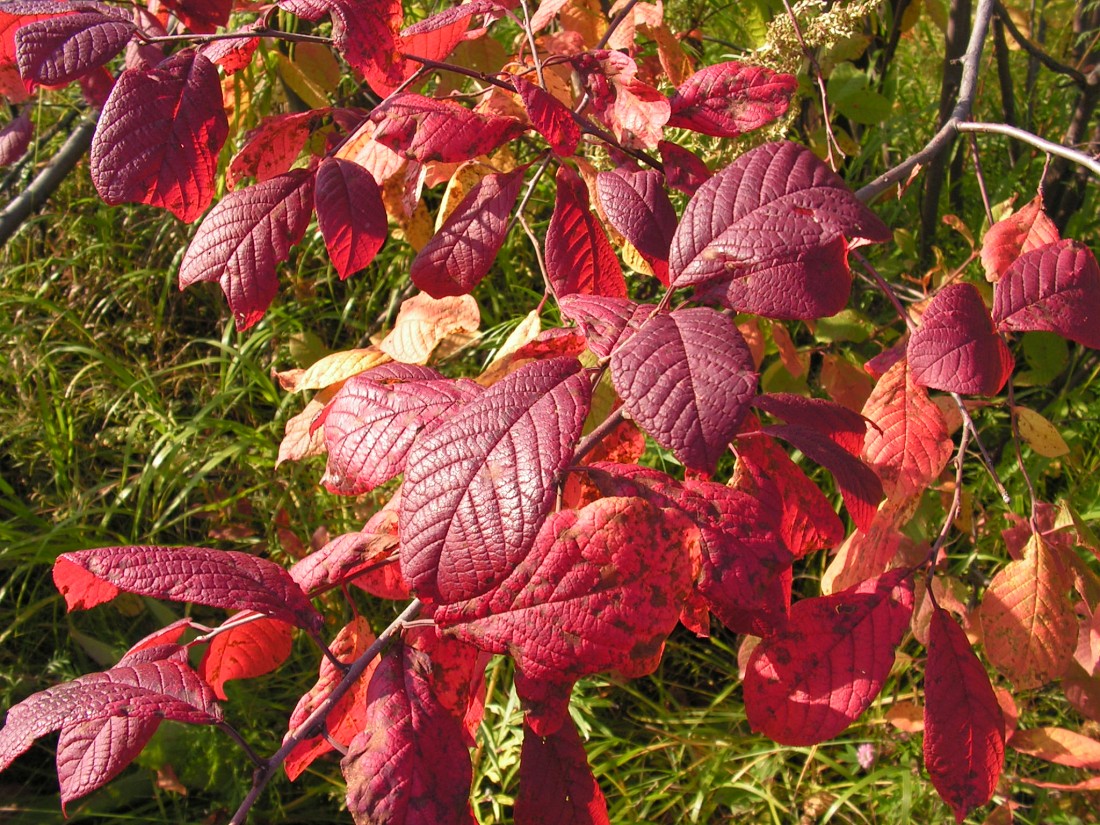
x: 531, y: 42
x: 968, y: 86
x: 830, y: 138
x: 614, y: 24
x: 981, y: 179
x: 269, y: 767
x: 987, y: 460
x: 1051, y: 148
x: 602, y: 430
x: 886, y: 288
x: 956, y: 499
x: 1014, y: 418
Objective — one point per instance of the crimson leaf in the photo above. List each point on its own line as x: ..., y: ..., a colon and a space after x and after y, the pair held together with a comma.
x: 964, y: 739
x: 637, y: 205
x: 555, y: 782
x: 600, y: 589
x: 579, y: 258
x: 552, y: 118
x: 684, y: 170
x: 371, y: 426
x: 162, y: 689
x: 859, y: 485
x: 159, y: 135
x: 807, y: 521
x: 1056, y: 288
x: 93, y: 752
x: 461, y: 253
x: 423, y: 128
x: 845, y: 428
x: 218, y: 578
x: 349, y: 555
x: 350, y: 214
x: 15, y: 138
x: 687, y: 377
x: 245, y: 237
x: 410, y: 765
x: 58, y: 50
x: 479, y: 484
x: 811, y: 680
x: 606, y: 321
x: 365, y: 32
x: 245, y: 649
x: 956, y: 347
x: 201, y: 16
x: 771, y: 226
x: 729, y: 99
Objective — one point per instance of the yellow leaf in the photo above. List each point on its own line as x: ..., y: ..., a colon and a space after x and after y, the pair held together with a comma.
x: 1040, y: 434
x: 423, y: 322
x: 332, y: 369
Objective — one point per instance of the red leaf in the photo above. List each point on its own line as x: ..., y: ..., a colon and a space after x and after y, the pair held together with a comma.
x: 684, y: 170
x: 365, y: 33
x: 811, y: 680
x: 840, y: 425
x: 555, y: 783
x: 479, y: 484
x: 350, y: 214
x: 245, y: 237
x: 371, y: 426
x: 92, y: 753
x: 729, y: 99
x: 908, y: 445
x: 272, y: 147
x: 244, y: 651
x: 687, y: 378
x: 1055, y: 288
x: 162, y: 689
x: 807, y: 520
x: 462, y: 252
x: 233, y: 53
x: 605, y: 320
x: 637, y: 205
x: 600, y: 589
x: 771, y: 226
x: 424, y: 129
x: 552, y: 118
x: 964, y: 746
x: 579, y: 258
x: 348, y: 716
x: 58, y: 50
x: 1015, y: 235
x: 410, y: 765
x: 15, y: 138
x: 956, y: 348
x: 350, y: 555
x: 457, y: 675
x: 159, y: 136
x: 201, y: 16
x: 634, y: 111
x: 859, y: 486
x: 217, y: 578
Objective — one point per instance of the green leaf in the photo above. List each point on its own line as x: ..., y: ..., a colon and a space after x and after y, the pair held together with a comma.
x: 851, y: 94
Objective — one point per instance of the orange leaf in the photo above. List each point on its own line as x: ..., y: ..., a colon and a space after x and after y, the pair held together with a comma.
x: 1027, y: 619
x: 1058, y: 745
x: 424, y: 322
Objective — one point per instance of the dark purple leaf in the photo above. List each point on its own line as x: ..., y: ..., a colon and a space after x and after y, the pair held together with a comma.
x: 479, y: 484
x: 371, y: 426
x: 58, y: 50
x: 350, y: 214
x: 729, y: 99
x: 15, y: 138
x: 159, y: 136
x: 956, y: 348
x: 423, y: 128
x: 684, y: 170
x: 163, y: 689
x: 1055, y: 288
x: 218, y: 578
x: 245, y: 237
x: 844, y: 427
x: 462, y: 252
x: 579, y: 258
x: 637, y: 205
x: 772, y: 227
x: 858, y: 483
x: 410, y: 765
x: 606, y: 321
x: 687, y: 378
x: 552, y: 118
